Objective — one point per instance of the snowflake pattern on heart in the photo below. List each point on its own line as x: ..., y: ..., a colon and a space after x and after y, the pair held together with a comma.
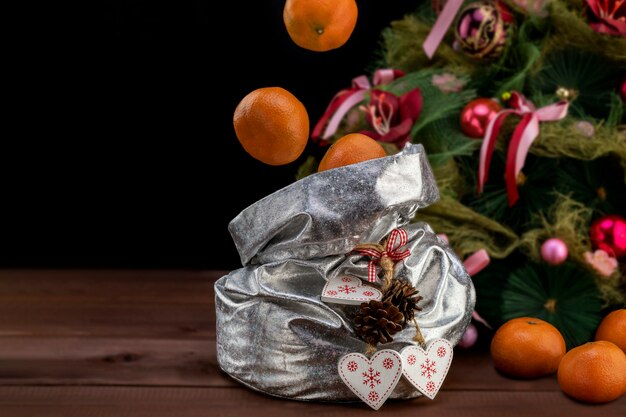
x: 427, y: 369
x: 348, y: 290
x: 372, y: 380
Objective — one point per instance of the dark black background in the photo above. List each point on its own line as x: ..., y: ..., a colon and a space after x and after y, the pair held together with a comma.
x: 119, y: 149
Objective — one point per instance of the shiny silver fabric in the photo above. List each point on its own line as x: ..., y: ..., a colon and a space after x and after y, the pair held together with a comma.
x: 274, y: 334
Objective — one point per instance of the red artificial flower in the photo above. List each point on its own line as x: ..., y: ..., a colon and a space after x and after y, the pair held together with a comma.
x: 392, y: 117
x: 608, y: 16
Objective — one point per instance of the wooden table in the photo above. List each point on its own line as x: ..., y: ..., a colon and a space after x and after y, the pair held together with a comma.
x: 142, y: 343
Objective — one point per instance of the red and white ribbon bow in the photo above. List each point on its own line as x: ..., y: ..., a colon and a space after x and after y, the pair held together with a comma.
x: 525, y: 133
x: 397, y: 239
x: 347, y: 99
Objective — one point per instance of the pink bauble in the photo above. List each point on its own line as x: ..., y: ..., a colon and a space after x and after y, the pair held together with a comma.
x: 554, y: 251
x: 622, y: 90
x: 469, y: 337
x: 476, y: 115
x: 609, y: 234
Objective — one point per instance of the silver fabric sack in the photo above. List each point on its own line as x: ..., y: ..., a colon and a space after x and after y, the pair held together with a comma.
x: 274, y: 334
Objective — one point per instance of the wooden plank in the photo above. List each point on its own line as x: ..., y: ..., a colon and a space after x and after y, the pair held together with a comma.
x: 185, y: 362
x: 236, y: 402
x: 107, y: 286
x: 114, y: 320
x: 174, y: 304
x: 136, y: 328
x: 110, y: 361
x: 124, y: 328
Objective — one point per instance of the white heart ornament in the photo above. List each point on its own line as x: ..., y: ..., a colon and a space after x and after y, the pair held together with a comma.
x: 372, y: 380
x: 348, y: 290
x: 426, y: 370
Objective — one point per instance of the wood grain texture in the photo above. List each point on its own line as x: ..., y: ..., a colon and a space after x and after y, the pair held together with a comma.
x: 175, y: 304
x: 141, y: 361
x: 142, y: 343
x: 110, y: 361
x: 192, y: 402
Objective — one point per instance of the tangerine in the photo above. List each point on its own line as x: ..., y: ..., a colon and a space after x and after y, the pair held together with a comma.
x: 594, y: 372
x: 527, y: 347
x: 320, y: 25
x: 272, y: 125
x: 613, y: 328
x: 350, y: 149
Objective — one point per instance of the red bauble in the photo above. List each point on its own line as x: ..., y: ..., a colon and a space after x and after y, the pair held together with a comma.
x: 476, y: 115
x: 609, y: 234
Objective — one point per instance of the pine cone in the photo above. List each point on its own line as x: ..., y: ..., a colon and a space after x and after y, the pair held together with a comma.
x: 377, y: 321
x: 404, y: 296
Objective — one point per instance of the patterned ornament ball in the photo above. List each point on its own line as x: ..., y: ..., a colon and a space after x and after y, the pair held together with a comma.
x: 476, y: 115
x: 480, y: 30
x: 609, y: 234
x: 554, y: 251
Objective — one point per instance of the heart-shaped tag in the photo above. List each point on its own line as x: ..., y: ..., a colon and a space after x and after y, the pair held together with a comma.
x: 426, y: 370
x: 372, y: 380
x: 348, y: 290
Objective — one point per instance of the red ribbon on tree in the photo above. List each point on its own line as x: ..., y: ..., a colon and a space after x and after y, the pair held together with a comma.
x: 347, y: 99
x: 523, y: 137
x: 391, y: 251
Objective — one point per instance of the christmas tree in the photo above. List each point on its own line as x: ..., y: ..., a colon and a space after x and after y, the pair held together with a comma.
x: 520, y: 107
